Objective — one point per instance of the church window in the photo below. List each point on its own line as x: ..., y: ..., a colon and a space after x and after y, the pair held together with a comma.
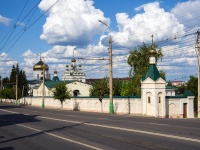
x: 159, y: 99
x: 149, y: 100
x: 37, y: 76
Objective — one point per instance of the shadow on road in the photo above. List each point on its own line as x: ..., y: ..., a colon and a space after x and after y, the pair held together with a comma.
x: 42, y: 132
x: 10, y: 106
x: 7, y: 148
x: 11, y: 119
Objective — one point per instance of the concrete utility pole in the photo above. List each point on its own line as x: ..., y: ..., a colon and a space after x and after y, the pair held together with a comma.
x: 198, y: 56
x: 1, y: 86
x: 43, y: 85
x: 111, y: 72
x: 16, y: 89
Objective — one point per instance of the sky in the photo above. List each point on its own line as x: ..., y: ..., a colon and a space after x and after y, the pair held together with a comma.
x: 56, y: 28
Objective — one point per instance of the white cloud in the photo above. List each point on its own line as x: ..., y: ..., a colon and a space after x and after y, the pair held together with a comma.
x: 6, y: 64
x: 71, y: 22
x: 4, y: 20
x: 187, y: 13
x: 154, y: 20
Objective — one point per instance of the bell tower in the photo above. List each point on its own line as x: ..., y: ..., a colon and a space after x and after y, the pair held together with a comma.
x: 153, y: 88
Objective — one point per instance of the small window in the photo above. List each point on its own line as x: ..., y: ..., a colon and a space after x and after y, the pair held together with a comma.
x: 149, y: 100
x: 159, y: 100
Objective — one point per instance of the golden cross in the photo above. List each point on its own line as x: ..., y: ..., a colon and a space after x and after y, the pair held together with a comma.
x: 152, y: 38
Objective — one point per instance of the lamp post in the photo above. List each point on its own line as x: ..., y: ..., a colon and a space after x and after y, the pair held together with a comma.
x: 16, y: 89
x: 43, y: 85
x: 110, y: 66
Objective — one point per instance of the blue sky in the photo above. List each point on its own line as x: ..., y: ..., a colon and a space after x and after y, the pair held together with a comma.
x: 74, y: 25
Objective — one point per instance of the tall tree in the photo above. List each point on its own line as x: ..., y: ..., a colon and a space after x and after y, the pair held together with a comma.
x: 139, y: 60
x: 100, y: 88
x: 192, y: 85
x: 13, y: 75
x: 61, y: 93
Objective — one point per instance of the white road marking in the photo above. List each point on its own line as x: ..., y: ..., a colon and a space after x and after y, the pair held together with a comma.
x: 103, y: 118
x: 60, y: 137
x: 54, y: 135
x: 159, y: 124
x: 13, y: 112
x: 124, y: 129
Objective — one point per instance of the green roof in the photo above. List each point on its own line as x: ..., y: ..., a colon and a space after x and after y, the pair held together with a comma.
x: 51, y: 84
x: 55, y: 78
x: 152, y: 73
x: 188, y: 93
x: 170, y: 87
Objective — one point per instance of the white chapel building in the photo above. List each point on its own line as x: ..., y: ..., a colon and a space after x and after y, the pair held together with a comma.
x: 74, y: 72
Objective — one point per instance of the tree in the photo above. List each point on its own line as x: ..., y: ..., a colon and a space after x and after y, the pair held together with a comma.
x: 7, y: 93
x: 192, y: 85
x: 61, y: 93
x: 139, y: 60
x: 22, y: 80
x: 100, y: 88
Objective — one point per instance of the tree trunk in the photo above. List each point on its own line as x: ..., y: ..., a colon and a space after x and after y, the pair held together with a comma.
x: 61, y: 104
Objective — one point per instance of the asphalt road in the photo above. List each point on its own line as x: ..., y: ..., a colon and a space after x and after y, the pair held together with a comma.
x: 30, y: 128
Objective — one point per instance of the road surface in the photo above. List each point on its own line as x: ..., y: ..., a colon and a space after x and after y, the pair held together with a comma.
x: 31, y: 128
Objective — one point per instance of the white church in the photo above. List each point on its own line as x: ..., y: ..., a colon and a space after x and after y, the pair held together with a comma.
x: 73, y: 77
x: 156, y: 100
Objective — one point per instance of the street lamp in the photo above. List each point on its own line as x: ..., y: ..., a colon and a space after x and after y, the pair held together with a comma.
x: 43, y: 88
x: 111, y: 72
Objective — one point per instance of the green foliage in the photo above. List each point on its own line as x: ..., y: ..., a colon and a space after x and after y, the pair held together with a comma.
x: 10, y: 83
x: 181, y: 89
x: 139, y: 60
x: 61, y: 92
x: 162, y: 74
x: 100, y: 88
x: 192, y: 85
x: 8, y: 93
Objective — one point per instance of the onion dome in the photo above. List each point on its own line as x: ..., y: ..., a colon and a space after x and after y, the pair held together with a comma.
x: 39, y: 66
x: 55, y: 72
x: 73, y: 59
x: 152, y: 51
x: 67, y: 66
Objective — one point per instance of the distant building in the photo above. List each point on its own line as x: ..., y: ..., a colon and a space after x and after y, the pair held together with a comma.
x: 74, y: 73
x: 178, y: 83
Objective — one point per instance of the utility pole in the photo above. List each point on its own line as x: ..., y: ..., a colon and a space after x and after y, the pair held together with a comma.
x: 198, y: 56
x: 111, y: 75
x: 1, y: 87
x: 110, y: 66
x: 43, y: 85
x: 16, y: 89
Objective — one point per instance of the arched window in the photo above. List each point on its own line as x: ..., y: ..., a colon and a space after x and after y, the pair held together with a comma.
x: 76, y: 93
x: 149, y: 99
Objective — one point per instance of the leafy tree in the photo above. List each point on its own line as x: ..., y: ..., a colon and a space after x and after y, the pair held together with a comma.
x: 117, y: 86
x: 8, y: 93
x: 61, y: 93
x: 22, y: 80
x: 125, y: 88
x: 139, y: 60
x: 192, y: 85
x: 162, y: 74
x: 100, y: 88
x: 181, y: 89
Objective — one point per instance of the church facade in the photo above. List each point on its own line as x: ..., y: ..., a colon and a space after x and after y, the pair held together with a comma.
x: 156, y: 100
x: 74, y: 72
x: 73, y: 77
